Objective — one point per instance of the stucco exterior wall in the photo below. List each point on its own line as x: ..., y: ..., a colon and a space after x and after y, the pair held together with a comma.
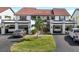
x: 17, y: 17
x: 67, y: 17
x: 76, y: 17
x: 7, y: 13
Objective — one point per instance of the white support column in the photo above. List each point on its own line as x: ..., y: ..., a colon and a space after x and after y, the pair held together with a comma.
x: 51, y: 28
x: 75, y: 25
x: 63, y: 29
x: 29, y: 28
x: 36, y: 17
x: 17, y: 18
x: 3, y: 29
x: 50, y: 17
x: 16, y: 26
x: 29, y: 25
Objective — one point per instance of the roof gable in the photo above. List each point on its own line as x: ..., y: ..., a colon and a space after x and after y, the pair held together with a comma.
x: 25, y: 11
x: 60, y: 12
x: 2, y: 9
x: 33, y: 11
x: 44, y: 12
x: 74, y: 12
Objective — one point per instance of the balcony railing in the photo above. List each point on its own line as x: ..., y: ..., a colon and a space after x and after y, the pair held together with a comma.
x: 14, y: 21
x: 64, y: 21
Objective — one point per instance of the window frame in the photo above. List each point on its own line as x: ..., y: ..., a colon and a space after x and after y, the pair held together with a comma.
x: 61, y: 19
x: 23, y: 18
x: 33, y: 17
x: 7, y: 17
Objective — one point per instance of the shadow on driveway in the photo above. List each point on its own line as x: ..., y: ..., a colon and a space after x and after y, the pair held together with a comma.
x: 12, y: 37
x: 70, y: 41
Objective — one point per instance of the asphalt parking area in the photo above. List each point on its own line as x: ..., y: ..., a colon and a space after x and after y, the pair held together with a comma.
x: 5, y: 42
x: 65, y: 44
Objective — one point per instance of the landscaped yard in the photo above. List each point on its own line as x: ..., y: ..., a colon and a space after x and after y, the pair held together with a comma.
x: 30, y: 43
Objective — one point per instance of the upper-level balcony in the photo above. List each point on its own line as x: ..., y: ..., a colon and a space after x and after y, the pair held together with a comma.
x: 14, y: 21
x: 62, y: 21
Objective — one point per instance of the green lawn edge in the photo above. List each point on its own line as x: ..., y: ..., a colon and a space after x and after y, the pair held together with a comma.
x: 14, y: 47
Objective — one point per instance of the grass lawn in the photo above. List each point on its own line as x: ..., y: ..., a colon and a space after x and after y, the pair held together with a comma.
x: 29, y: 43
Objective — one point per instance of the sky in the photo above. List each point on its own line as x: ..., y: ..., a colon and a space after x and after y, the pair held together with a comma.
x: 69, y: 9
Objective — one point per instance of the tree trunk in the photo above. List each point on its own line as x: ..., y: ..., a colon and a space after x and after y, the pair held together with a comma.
x: 37, y: 34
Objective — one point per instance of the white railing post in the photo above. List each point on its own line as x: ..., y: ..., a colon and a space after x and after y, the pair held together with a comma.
x: 51, y: 26
x: 16, y: 26
x: 63, y: 28
x: 29, y: 28
x: 3, y: 29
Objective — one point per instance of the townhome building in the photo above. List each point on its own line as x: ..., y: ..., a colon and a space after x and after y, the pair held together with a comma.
x: 75, y: 16
x: 62, y: 20
x: 6, y: 14
x: 32, y: 14
x: 55, y: 20
x: 19, y: 21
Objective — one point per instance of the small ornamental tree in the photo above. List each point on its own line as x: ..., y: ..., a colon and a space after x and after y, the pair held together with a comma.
x: 39, y: 25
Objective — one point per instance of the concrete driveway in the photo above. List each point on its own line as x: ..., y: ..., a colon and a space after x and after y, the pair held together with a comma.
x: 5, y: 42
x: 65, y: 44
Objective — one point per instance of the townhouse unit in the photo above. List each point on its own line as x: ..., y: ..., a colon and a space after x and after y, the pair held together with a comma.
x: 20, y: 21
x: 6, y: 14
x: 32, y: 14
x: 55, y: 20
x: 62, y: 20
x: 75, y: 16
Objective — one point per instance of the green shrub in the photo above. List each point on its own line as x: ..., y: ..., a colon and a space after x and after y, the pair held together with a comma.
x: 34, y: 31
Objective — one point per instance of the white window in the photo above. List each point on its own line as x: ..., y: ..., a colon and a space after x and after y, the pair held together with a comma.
x: 7, y: 17
x: 57, y: 18
x: 62, y: 18
x: 22, y: 18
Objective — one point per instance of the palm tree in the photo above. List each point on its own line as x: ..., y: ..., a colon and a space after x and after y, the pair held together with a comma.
x: 39, y: 25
